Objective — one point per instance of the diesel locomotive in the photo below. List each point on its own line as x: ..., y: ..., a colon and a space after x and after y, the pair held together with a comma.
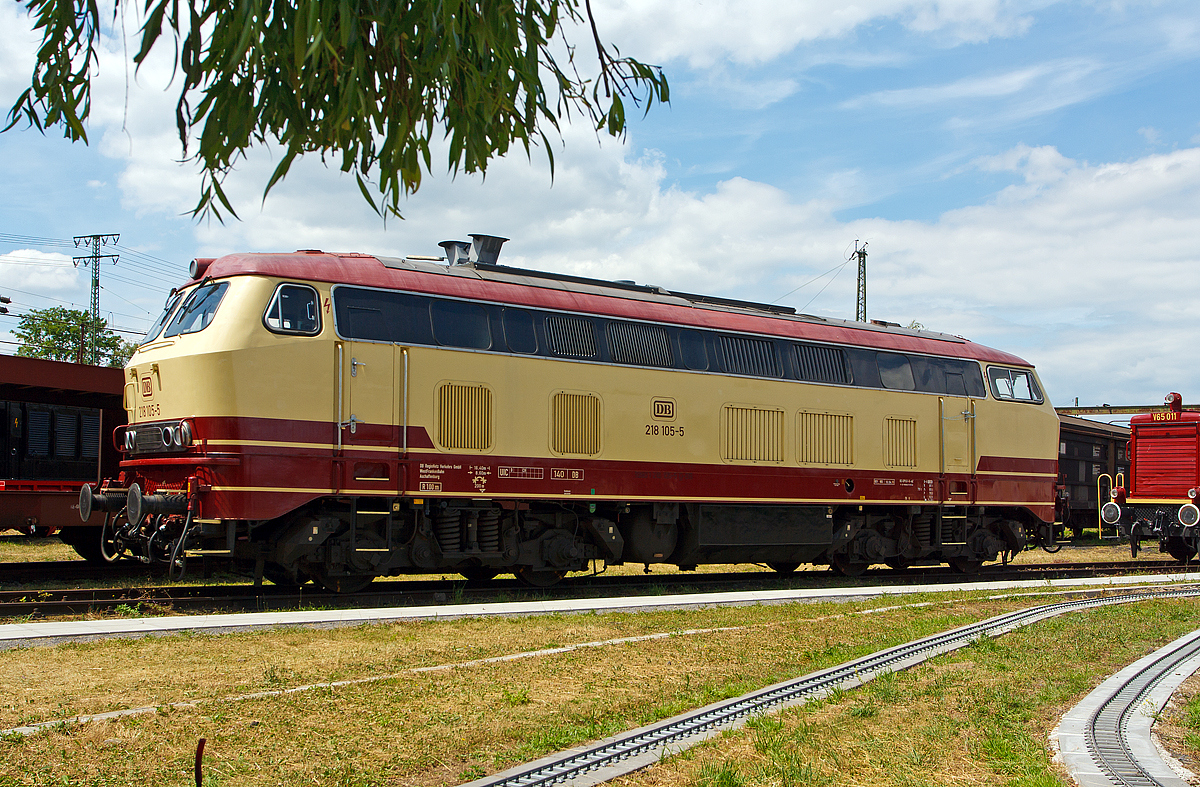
x: 340, y: 416
x: 1159, y: 501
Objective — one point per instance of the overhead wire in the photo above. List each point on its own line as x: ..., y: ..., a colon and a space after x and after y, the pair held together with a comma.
x: 130, y: 331
x: 81, y: 306
x: 59, y: 264
x: 134, y: 257
x: 818, y: 295
x: 838, y: 268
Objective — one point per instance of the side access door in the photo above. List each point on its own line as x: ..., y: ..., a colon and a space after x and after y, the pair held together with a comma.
x: 367, y: 400
x: 957, y: 449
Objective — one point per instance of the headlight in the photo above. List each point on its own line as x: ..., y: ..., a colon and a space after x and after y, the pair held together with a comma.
x: 1192, y: 493
x: 130, y: 439
x: 166, y: 437
x: 184, y: 434
x: 1111, y: 513
x: 1189, y: 515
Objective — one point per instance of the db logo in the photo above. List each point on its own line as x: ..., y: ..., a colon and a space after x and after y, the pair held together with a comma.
x: 663, y: 409
x: 147, y: 387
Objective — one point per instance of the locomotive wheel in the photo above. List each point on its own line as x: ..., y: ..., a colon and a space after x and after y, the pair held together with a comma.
x: 479, y: 573
x: 783, y: 568
x: 847, y: 568
x: 93, y: 543
x: 343, y: 583
x: 966, y: 565
x: 539, y: 578
x: 1180, y: 549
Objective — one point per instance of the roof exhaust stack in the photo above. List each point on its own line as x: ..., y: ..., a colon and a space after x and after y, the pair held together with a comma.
x: 457, y: 251
x: 486, y: 248
x: 482, y: 248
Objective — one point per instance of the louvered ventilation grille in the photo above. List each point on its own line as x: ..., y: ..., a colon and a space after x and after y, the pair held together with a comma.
x: 38, y: 433
x: 825, y: 439
x: 90, y: 435
x: 900, y: 442
x: 753, y: 434
x: 66, y: 432
x: 641, y: 345
x: 822, y: 364
x: 749, y: 356
x: 571, y: 337
x: 576, y: 428
x: 1164, y: 462
x: 465, y: 416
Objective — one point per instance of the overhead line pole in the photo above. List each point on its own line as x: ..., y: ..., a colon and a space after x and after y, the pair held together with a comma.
x: 94, y: 242
x: 860, y: 306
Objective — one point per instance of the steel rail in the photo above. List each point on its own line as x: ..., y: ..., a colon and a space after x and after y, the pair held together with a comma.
x: 646, y: 745
x: 52, y: 602
x: 1106, y: 731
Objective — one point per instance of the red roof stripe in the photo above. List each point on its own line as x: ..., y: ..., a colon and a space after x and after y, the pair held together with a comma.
x: 367, y: 271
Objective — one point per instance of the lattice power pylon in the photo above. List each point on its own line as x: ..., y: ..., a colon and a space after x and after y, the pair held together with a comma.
x: 94, y: 242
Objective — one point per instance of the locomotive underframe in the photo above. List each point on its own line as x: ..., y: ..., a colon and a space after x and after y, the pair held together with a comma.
x: 1159, y: 521
x: 342, y: 543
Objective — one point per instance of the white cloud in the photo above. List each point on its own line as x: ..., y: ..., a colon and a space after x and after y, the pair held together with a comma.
x: 17, y: 48
x: 757, y: 31
x: 1079, y: 268
x: 1082, y: 268
x: 1039, y: 166
x: 1057, y: 75
x: 39, y: 273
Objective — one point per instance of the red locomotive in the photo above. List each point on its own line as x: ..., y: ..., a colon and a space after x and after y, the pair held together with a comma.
x: 1164, y: 479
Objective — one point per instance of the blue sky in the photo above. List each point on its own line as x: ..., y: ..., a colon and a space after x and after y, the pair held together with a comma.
x: 1027, y: 174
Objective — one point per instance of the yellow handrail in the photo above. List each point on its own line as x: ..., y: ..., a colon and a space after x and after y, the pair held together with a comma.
x: 1102, y: 496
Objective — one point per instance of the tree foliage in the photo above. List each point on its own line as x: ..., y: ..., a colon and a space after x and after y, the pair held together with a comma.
x: 372, y: 82
x: 59, y: 334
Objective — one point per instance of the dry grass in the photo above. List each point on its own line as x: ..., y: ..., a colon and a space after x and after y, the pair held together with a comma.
x: 978, y: 717
x: 1178, y: 728
x: 16, y: 548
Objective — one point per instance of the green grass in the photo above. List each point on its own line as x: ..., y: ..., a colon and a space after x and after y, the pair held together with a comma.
x: 980, y: 715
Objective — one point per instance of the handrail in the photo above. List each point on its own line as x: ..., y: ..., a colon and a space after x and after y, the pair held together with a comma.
x: 1102, y: 496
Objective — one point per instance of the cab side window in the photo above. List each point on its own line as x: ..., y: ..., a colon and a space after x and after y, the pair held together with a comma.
x: 295, y: 309
x: 1014, y: 385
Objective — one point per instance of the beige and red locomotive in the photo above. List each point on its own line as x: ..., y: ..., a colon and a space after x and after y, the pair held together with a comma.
x: 343, y: 416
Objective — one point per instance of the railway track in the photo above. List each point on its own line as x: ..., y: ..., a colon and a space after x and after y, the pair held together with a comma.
x: 72, y: 571
x: 627, y: 752
x: 165, y: 599
x: 1105, y: 740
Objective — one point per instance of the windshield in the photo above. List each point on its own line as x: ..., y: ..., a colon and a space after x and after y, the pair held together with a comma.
x: 172, y: 302
x: 197, y: 311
